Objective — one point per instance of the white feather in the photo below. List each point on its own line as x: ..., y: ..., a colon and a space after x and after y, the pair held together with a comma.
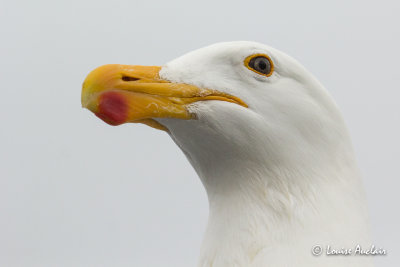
x: 280, y: 175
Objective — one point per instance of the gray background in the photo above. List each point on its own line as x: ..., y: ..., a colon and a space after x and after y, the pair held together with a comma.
x: 77, y: 192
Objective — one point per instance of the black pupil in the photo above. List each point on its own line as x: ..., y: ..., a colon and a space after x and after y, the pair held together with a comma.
x: 260, y: 64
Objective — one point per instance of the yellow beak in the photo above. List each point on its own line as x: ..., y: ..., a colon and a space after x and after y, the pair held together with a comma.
x: 122, y: 93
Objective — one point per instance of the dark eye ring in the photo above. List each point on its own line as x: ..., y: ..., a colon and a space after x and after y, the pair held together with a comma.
x: 260, y: 64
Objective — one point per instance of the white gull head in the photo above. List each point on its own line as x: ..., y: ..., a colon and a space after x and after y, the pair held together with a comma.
x: 267, y: 141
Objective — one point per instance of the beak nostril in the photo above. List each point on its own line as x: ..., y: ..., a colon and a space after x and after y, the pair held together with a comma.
x: 129, y: 79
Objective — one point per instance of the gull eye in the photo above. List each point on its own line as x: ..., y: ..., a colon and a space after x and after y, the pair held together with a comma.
x: 260, y: 64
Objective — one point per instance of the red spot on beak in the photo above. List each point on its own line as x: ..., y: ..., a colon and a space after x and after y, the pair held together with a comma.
x: 113, y: 108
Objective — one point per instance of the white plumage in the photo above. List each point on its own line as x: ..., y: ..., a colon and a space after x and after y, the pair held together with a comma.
x: 280, y: 175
